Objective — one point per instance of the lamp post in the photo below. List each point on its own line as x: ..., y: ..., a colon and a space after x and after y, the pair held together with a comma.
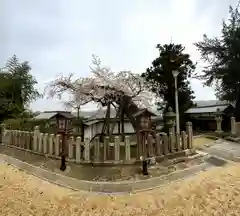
x: 175, y: 74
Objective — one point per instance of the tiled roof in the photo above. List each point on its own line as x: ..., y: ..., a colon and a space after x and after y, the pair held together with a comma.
x: 210, y: 103
x: 49, y: 114
x: 46, y: 115
x: 209, y: 109
x: 101, y: 113
x: 85, y: 114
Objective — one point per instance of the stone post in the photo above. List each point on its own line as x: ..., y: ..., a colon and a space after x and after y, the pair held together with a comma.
x: 105, y: 148
x: 78, y: 149
x: 233, y: 126
x: 177, y: 143
x: 165, y: 144
x: 45, y: 143
x: 150, y: 145
x: 169, y: 118
x: 218, y: 124
x: 40, y: 142
x: 117, y: 149
x: 96, y: 149
x: 16, y: 138
x: 171, y: 143
x: 19, y: 138
x: 184, y: 140
x: 70, y: 147
x: 25, y: 139
x: 174, y: 133
x: 189, y: 135
x: 28, y: 135
x: 158, y: 145
x: 57, y: 144
x: 35, y: 138
x: 51, y: 138
x: 127, y: 149
x: 87, y: 150
x: 2, y: 133
x: 218, y: 119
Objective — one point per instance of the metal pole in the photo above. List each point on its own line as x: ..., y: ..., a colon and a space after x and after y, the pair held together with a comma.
x: 176, y: 105
x: 78, y: 118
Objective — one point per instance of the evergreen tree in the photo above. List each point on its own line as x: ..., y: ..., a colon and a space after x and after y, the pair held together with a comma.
x: 17, y: 88
x: 161, y: 81
x: 223, y: 56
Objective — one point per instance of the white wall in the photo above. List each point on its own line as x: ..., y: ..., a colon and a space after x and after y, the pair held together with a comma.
x: 91, y: 130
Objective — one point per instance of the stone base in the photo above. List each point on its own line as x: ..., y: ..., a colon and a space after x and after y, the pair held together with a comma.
x: 159, y: 159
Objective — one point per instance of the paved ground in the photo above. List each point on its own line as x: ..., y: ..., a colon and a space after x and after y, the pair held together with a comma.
x: 225, y: 149
x: 214, y: 192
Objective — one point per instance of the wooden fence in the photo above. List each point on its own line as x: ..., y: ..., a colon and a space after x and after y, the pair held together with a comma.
x: 96, y: 152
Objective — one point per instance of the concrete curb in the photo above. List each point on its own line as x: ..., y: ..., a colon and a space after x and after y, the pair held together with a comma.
x: 104, y: 187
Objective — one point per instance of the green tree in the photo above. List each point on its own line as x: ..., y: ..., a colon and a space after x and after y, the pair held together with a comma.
x: 161, y: 81
x: 17, y: 87
x: 223, y: 56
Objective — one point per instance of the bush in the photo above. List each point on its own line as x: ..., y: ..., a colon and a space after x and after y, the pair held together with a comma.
x: 24, y: 124
x: 14, y: 124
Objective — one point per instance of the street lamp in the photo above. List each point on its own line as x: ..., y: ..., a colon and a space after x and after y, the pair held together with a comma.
x: 175, y: 74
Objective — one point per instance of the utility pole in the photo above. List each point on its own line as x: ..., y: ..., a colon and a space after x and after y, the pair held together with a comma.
x: 175, y: 74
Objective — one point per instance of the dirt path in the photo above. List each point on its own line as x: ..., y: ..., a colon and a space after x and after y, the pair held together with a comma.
x: 215, y: 192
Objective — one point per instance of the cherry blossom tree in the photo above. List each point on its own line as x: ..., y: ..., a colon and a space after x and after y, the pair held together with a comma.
x: 102, y: 86
x: 105, y: 88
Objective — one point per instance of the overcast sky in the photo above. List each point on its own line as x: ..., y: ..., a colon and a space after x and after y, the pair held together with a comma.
x: 59, y: 36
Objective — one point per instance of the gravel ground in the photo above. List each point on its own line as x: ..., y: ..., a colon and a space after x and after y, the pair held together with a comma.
x: 214, y: 192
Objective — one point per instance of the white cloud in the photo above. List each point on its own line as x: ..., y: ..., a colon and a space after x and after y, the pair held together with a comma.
x: 60, y: 36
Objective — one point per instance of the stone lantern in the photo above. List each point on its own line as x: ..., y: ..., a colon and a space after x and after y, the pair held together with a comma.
x: 170, y: 117
x: 218, y: 119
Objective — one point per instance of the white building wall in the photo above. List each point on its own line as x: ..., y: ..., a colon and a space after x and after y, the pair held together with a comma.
x: 96, y: 128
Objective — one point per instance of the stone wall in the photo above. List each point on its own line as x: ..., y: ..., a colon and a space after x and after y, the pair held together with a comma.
x: 95, y: 152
